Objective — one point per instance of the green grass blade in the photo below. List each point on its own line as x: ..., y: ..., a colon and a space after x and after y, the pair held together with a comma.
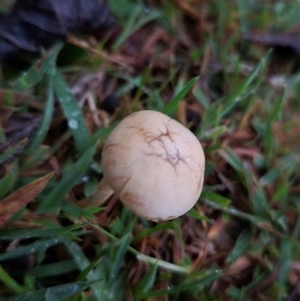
x: 259, y: 204
x: 35, y: 247
x: 53, y: 200
x: 72, y: 112
x: 148, y: 231
x: 10, y: 234
x: 241, y: 244
x: 35, y: 74
x: 243, y: 88
x: 12, y: 151
x: 124, y: 244
x: 218, y: 199
x: 83, y: 263
x: 201, y: 98
x: 63, y: 291
x: 11, y: 283
x: 147, y: 282
x: 102, y: 133
x: 53, y: 269
x: 270, y: 176
x: 269, y: 143
x: 37, y: 155
x: 123, y: 9
x: 285, y: 261
x: 205, y: 279
x: 84, y: 273
x: 196, y: 215
x: 55, y: 293
x: 235, y: 212
x: 5, y: 184
x: 173, y: 104
x: 48, y: 112
x: 135, y: 23
x: 148, y: 259
x: 232, y: 159
x: 117, y: 290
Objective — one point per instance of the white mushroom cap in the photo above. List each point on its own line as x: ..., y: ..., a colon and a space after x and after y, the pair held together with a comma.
x: 155, y: 164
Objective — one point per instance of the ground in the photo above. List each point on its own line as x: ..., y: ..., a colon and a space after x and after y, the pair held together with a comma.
x: 228, y: 71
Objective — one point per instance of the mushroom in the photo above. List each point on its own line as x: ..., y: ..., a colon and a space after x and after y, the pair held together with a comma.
x: 155, y: 165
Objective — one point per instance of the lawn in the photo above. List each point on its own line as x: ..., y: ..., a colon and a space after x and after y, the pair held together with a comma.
x: 226, y: 70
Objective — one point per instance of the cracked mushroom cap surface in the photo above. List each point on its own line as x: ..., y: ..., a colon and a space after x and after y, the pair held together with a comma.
x: 155, y: 164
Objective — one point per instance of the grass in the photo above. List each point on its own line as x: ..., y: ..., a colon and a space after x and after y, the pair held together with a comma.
x: 189, y: 60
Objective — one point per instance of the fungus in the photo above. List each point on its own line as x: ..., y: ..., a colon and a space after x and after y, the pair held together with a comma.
x: 154, y: 164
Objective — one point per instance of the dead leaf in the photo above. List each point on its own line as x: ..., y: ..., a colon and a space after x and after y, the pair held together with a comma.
x: 223, y: 234
x: 28, y: 27
x: 18, y: 199
x: 287, y: 133
x: 240, y: 266
x: 102, y: 193
x: 21, y: 225
x: 17, y: 149
x: 285, y: 40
